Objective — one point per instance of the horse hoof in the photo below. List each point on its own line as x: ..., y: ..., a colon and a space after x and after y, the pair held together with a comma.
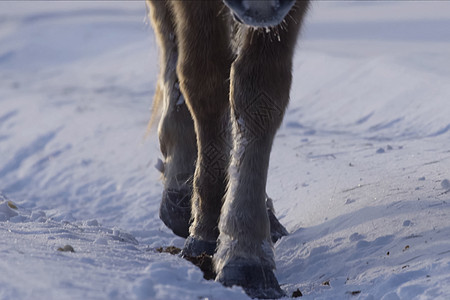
x: 175, y: 211
x: 256, y: 280
x: 194, y: 247
x: 277, y: 231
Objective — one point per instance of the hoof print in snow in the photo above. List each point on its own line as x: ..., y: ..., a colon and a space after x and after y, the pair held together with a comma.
x: 380, y: 150
x: 350, y: 201
x: 66, y: 248
x: 445, y: 184
x: 407, y: 223
x: 297, y: 294
x: 356, y: 237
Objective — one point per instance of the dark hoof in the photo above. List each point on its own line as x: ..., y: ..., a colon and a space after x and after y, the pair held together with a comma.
x: 277, y: 231
x: 194, y: 247
x: 256, y: 280
x: 175, y: 211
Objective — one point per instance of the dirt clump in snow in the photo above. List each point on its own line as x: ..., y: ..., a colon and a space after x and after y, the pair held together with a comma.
x: 66, y: 248
x: 354, y: 293
x: 203, y: 261
x: 296, y: 294
x: 171, y: 250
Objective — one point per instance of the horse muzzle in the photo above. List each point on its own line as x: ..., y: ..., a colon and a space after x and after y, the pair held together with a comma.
x: 262, y: 13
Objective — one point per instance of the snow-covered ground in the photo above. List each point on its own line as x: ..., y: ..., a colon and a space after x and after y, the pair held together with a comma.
x: 359, y: 171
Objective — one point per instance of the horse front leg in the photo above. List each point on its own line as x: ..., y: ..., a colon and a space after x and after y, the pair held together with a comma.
x: 260, y: 85
x: 204, y: 63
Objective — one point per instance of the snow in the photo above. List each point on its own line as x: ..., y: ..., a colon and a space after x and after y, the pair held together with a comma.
x: 359, y: 173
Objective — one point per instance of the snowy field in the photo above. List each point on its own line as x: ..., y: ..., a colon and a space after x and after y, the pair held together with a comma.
x: 359, y: 173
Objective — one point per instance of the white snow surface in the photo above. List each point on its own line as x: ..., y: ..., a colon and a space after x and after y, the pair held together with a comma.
x: 359, y: 170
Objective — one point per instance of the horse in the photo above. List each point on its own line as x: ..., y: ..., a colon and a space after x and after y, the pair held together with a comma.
x: 224, y: 84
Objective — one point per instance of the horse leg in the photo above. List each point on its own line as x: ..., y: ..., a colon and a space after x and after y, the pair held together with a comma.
x: 203, y: 68
x: 176, y: 131
x: 260, y: 85
x: 176, y: 127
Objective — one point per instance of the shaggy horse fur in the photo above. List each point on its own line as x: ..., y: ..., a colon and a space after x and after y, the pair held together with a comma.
x: 223, y: 87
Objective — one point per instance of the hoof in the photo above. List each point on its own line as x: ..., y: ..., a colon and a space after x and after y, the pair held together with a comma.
x: 256, y: 280
x: 277, y: 231
x: 194, y: 247
x: 175, y: 211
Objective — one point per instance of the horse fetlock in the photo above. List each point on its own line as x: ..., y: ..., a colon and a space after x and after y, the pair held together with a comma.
x: 205, y: 213
x: 243, y: 247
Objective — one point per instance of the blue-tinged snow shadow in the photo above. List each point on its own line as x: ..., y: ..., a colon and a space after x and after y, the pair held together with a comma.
x: 311, y: 256
x: 26, y: 151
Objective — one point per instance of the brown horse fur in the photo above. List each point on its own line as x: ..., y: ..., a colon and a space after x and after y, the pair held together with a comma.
x: 224, y: 86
